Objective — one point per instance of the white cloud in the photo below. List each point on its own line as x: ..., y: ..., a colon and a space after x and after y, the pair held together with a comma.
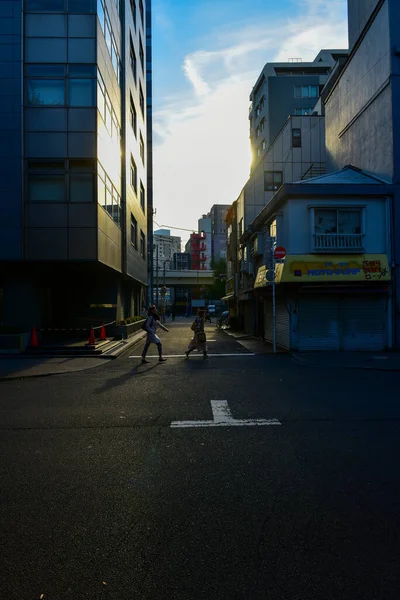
x: 202, y: 154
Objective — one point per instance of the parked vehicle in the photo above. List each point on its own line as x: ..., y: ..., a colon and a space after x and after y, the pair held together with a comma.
x: 223, y: 320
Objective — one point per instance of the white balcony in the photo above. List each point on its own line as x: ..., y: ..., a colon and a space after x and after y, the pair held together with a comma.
x: 338, y: 242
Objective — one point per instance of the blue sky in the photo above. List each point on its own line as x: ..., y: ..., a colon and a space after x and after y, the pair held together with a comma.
x: 207, y: 55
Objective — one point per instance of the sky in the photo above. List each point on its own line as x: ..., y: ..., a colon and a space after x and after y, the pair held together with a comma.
x: 207, y: 56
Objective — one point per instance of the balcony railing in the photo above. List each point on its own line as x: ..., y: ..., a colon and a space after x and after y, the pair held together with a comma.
x: 338, y: 242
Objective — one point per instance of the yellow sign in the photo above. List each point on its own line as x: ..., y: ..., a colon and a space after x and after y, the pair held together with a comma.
x: 329, y: 268
x: 333, y: 268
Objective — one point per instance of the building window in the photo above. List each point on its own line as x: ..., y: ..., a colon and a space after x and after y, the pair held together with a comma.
x: 44, y: 87
x: 45, y: 5
x: 142, y: 245
x: 133, y: 117
x: 261, y: 148
x: 132, y: 58
x: 337, y: 221
x: 141, y: 97
x: 141, y: 54
x: 46, y: 188
x: 48, y: 181
x: 296, y: 138
x: 141, y: 10
x: 306, y: 91
x: 133, y: 232
x: 142, y: 197
x: 133, y: 175
x: 302, y: 112
x: 261, y: 127
x: 45, y: 92
x: 272, y: 180
x: 141, y: 148
x: 105, y: 23
x: 107, y: 195
x: 260, y: 106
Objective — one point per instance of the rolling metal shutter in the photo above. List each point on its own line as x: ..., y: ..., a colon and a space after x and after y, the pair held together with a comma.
x: 318, y: 323
x: 364, y: 323
x: 342, y: 323
x: 282, y: 323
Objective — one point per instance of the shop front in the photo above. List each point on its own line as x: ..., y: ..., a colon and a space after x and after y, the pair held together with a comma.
x: 329, y: 302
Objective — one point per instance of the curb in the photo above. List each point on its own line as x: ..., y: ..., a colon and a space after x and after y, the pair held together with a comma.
x: 116, y: 353
x: 308, y: 363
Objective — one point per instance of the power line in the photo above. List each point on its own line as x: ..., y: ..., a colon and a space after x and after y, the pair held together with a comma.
x: 173, y: 227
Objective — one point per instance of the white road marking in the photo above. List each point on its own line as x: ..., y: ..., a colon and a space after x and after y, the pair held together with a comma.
x: 222, y: 417
x: 192, y: 355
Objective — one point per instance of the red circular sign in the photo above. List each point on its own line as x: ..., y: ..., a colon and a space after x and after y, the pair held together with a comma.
x: 280, y: 252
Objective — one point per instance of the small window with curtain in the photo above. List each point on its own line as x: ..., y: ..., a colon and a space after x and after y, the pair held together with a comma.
x: 296, y: 138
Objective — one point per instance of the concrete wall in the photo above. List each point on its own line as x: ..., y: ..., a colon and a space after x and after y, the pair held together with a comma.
x: 359, y: 11
x: 11, y: 207
x: 297, y: 223
x: 359, y: 109
x: 292, y: 162
x: 282, y: 103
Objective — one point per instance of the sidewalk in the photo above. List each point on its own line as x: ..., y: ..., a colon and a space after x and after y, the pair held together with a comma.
x: 253, y: 344
x: 20, y: 367
x: 375, y: 361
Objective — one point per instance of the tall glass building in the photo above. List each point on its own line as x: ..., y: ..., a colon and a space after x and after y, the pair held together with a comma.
x: 74, y: 160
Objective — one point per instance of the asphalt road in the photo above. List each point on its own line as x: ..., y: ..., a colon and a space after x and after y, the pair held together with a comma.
x: 102, y: 498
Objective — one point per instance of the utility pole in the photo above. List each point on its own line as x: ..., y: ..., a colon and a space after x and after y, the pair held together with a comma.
x: 157, y: 275
x: 273, y: 292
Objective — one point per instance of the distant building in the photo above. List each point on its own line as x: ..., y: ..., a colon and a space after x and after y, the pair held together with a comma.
x: 165, y: 246
x: 196, y: 247
x: 182, y: 261
x: 283, y: 89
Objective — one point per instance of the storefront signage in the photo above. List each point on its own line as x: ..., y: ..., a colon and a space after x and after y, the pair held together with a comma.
x: 367, y: 267
x: 307, y: 268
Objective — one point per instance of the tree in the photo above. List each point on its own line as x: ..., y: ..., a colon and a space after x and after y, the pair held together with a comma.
x: 217, y: 290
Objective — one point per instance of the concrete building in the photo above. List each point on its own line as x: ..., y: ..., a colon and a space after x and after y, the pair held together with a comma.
x: 182, y: 261
x: 73, y: 160
x: 283, y: 89
x: 196, y: 246
x: 362, y: 105
x: 205, y: 226
x: 334, y: 285
x: 217, y: 215
x: 165, y: 246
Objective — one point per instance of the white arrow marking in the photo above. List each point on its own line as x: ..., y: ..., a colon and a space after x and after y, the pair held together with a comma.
x: 222, y: 417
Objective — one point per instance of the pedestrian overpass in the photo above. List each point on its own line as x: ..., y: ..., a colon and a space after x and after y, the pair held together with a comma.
x: 182, y: 278
x: 183, y: 290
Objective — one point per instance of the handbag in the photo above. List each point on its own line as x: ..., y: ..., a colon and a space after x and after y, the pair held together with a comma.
x: 201, y: 337
x: 193, y: 327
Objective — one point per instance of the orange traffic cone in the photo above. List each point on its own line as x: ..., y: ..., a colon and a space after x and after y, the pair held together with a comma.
x: 91, y: 341
x: 34, y: 339
x: 103, y: 332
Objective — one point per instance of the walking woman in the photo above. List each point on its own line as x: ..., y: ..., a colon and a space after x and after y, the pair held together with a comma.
x: 198, y: 342
x: 152, y: 338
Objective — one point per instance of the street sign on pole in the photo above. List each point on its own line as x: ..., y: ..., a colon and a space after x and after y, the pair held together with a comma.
x: 279, y: 252
x: 273, y: 252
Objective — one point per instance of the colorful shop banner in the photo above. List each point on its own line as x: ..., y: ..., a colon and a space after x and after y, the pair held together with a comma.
x: 309, y: 268
x: 335, y: 268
